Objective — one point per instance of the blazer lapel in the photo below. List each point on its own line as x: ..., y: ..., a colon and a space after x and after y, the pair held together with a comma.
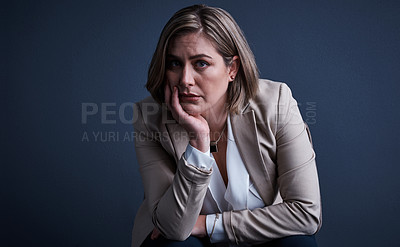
x: 246, y: 137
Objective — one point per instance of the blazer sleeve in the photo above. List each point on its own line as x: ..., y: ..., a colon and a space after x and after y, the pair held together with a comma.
x: 173, y: 192
x: 300, y: 211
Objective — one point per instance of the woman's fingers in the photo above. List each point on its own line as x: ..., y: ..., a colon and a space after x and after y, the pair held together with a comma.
x: 172, y: 101
x: 155, y: 234
x: 175, y: 99
x: 168, y: 95
x: 181, y: 115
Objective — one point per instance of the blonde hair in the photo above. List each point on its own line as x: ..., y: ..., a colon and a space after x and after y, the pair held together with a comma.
x: 219, y: 27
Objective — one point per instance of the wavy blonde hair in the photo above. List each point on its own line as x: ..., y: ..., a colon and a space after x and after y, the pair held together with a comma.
x: 228, y: 39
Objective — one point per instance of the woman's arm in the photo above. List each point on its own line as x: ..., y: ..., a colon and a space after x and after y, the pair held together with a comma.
x: 174, y: 193
x: 300, y: 211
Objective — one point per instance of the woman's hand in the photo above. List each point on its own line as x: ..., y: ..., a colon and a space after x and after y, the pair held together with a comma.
x: 196, y: 126
x: 199, y: 229
x: 155, y: 234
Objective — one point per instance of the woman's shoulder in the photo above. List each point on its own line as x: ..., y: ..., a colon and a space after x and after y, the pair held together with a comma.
x: 147, y: 100
x: 150, y: 113
x: 148, y: 105
x: 270, y: 93
x: 272, y: 99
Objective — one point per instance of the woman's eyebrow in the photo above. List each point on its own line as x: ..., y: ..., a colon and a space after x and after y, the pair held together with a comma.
x: 199, y: 56
x: 191, y: 57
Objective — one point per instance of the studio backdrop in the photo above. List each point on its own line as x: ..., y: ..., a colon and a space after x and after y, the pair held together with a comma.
x: 73, y: 69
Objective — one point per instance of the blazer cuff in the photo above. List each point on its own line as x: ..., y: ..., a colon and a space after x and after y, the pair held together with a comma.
x: 194, y: 174
x: 227, y: 221
x: 198, y: 159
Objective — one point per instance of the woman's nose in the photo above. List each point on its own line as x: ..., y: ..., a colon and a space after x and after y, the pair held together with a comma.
x: 187, y: 77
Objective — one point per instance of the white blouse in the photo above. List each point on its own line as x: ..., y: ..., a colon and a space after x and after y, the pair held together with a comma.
x: 238, y: 195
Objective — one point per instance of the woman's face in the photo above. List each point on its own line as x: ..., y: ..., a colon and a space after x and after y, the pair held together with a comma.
x: 199, y: 72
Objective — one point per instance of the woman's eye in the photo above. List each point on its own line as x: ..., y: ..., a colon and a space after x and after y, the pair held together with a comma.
x: 173, y: 64
x: 202, y: 64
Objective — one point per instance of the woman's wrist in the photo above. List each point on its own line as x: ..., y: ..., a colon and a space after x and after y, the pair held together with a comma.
x: 200, y: 142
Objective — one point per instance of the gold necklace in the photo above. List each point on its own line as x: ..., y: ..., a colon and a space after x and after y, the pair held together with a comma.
x: 214, y: 144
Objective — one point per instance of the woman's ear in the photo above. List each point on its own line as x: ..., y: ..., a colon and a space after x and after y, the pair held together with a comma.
x: 234, y: 67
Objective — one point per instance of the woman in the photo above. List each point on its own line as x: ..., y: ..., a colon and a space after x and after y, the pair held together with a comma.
x: 224, y: 156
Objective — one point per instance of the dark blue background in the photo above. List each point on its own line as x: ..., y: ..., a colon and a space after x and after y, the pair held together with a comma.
x: 341, y: 57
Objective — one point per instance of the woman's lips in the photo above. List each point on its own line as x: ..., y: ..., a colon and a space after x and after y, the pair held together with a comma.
x: 188, y: 97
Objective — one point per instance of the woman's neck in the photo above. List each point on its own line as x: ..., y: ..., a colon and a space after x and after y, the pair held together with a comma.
x: 216, y: 118
x: 216, y: 122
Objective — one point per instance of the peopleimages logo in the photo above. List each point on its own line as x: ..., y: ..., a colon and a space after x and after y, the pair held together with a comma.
x: 310, y: 115
x: 110, y: 114
x: 107, y: 112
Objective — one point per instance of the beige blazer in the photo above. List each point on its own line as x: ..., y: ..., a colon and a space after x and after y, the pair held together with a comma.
x: 276, y: 148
